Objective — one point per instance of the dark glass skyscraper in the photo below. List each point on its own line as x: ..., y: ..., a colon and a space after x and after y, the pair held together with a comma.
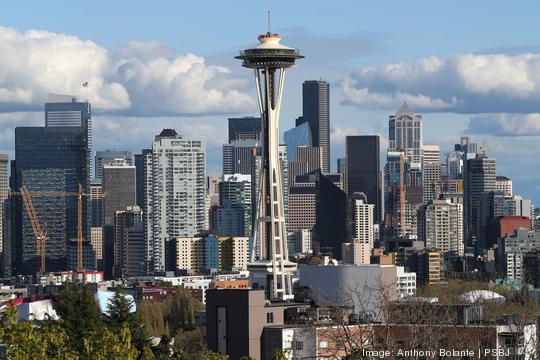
x: 50, y: 159
x: 479, y: 178
x: 363, y: 168
x: 244, y: 128
x: 316, y: 112
x: 330, y: 213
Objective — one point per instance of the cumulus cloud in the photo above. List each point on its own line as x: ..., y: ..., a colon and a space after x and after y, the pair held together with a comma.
x: 139, y: 78
x: 505, y: 124
x: 469, y: 83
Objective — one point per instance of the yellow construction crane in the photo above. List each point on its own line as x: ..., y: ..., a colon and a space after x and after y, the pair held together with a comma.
x: 41, y: 232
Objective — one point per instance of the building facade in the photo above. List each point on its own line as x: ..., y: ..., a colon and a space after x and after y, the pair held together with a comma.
x: 175, y: 195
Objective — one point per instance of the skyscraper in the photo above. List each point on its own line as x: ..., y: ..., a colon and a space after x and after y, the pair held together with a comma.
x: 440, y: 227
x: 479, y: 178
x: 4, y: 191
x: 235, y: 206
x: 295, y: 137
x: 119, y: 186
x: 51, y: 159
x: 175, y: 195
x: 108, y: 156
x: 363, y: 220
x: 363, y: 169
x: 239, y: 156
x: 129, y: 247
x: 119, y: 183
x: 405, y: 134
x: 66, y: 110
x: 431, y: 172
x: 316, y: 112
x: 308, y: 160
x: 244, y: 128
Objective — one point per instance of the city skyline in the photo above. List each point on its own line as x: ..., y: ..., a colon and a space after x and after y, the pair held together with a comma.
x: 497, y: 110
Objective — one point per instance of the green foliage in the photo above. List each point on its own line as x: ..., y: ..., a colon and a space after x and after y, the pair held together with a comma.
x: 180, y: 313
x: 78, y: 312
x: 210, y: 355
x: 24, y: 340
x: 119, y: 310
x: 281, y: 354
x: 151, y: 315
x: 108, y: 345
x: 189, y: 344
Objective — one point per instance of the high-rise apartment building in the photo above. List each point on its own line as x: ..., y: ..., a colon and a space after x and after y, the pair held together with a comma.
x: 316, y: 112
x: 235, y: 208
x: 511, y: 250
x: 363, y: 169
x: 363, y: 221
x: 110, y: 156
x: 479, y: 178
x: 431, y: 172
x: 51, y: 159
x: 175, y: 195
x: 504, y: 185
x: 222, y: 254
x: 440, y: 227
x: 405, y: 134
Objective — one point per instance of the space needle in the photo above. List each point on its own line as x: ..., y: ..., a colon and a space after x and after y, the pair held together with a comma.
x: 269, y: 256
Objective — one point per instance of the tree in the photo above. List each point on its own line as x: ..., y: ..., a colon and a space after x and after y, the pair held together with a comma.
x: 109, y: 345
x: 181, y: 311
x: 26, y: 340
x: 151, y: 316
x: 120, y: 315
x: 78, y: 312
x: 119, y: 310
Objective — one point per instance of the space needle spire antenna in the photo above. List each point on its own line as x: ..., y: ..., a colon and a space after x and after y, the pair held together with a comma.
x: 269, y: 259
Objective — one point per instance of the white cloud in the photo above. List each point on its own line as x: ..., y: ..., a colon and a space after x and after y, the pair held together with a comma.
x: 138, y: 79
x: 505, y: 124
x: 469, y: 83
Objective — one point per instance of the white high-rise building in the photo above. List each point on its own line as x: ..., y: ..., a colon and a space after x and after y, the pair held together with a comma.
x: 440, y: 226
x: 175, y: 198
x: 363, y: 222
x: 431, y: 172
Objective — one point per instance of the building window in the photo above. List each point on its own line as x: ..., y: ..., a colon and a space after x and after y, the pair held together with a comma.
x: 297, y: 345
x: 269, y: 318
x: 323, y: 345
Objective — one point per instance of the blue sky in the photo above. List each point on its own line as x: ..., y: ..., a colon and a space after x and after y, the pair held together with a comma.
x: 469, y: 67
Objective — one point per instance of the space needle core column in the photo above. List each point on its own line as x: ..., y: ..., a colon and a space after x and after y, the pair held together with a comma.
x: 269, y: 256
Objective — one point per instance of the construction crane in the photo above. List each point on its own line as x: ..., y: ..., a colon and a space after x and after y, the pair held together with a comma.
x: 41, y: 231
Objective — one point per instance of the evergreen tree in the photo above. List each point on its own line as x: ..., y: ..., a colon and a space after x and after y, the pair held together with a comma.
x: 78, y: 311
x: 119, y: 310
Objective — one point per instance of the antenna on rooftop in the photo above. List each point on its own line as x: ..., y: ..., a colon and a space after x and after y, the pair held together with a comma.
x: 269, y: 23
